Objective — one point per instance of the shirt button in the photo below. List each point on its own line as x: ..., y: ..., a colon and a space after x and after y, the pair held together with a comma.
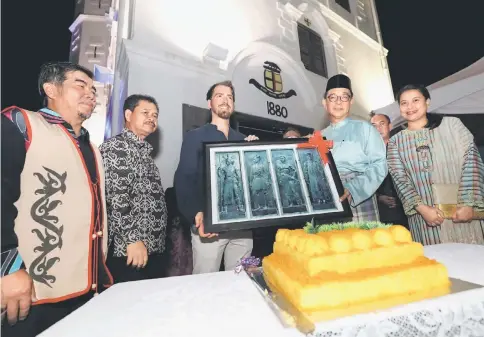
x: 94, y: 236
x: 100, y: 234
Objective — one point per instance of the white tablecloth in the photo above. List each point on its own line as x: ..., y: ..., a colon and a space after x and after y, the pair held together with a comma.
x: 465, y: 262
x: 218, y: 304
x: 228, y: 304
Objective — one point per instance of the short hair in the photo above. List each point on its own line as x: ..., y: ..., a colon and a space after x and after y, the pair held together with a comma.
x: 373, y: 114
x: 55, y: 72
x: 223, y: 83
x: 419, y: 87
x: 293, y: 130
x: 133, y: 101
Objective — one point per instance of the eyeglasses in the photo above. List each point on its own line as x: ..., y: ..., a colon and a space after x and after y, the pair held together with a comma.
x: 333, y: 98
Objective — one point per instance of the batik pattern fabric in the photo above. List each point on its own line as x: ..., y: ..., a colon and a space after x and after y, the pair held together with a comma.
x: 134, y: 195
x: 178, y: 249
x: 366, y: 210
x: 178, y: 239
x: 445, y: 154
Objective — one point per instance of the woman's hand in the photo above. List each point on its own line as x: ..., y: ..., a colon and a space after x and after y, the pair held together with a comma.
x: 432, y: 216
x: 463, y: 214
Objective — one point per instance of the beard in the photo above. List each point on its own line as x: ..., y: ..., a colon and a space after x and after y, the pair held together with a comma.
x: 83, y: 115
x: 223, y: 111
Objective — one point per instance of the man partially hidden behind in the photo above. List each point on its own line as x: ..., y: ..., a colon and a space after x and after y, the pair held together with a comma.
x: 209, y: 248
x: 359, y: 152
x: 137, y: 214
x: 53, y: 209
x: 291, y: 133
x: 389, y: 205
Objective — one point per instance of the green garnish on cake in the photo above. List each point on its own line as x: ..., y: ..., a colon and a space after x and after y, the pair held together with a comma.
x: 311, y: 228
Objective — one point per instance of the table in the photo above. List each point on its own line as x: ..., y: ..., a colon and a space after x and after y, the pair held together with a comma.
x: 224, y: 304
x: 228, y: 304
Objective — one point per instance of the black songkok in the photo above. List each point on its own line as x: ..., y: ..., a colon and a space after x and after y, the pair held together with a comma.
x: 339, y: 81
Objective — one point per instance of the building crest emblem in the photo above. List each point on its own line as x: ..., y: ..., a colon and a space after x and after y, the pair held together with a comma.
x: 272, y: 82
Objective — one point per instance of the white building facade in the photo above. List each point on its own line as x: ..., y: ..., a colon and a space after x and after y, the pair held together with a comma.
x: 278, y: 54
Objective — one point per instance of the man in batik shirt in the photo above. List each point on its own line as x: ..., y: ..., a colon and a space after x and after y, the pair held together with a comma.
x: 137, y: 215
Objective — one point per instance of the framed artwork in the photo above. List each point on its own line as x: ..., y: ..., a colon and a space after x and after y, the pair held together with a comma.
x: 259, y: 184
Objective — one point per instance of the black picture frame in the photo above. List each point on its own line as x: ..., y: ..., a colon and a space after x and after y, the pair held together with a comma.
x: 233, y: 185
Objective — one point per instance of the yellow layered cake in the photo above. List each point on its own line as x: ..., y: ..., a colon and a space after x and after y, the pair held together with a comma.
x: 343, y: 272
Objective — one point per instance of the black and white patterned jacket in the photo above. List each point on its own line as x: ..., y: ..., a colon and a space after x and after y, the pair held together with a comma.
x: 134, y: 195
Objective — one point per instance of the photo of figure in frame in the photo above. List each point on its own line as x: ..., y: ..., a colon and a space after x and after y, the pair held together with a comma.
x: 231, y: 199
x: 319, y: 190
x: 261, y: 189
x: 270, y: 183
x: 288, y: 181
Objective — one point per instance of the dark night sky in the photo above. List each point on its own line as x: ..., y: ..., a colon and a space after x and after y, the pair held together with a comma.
x: 430, y: 39
x: 39, y: 35
x: 427, y: 40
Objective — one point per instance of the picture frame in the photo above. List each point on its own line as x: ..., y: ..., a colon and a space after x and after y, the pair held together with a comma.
x: 261, y: 184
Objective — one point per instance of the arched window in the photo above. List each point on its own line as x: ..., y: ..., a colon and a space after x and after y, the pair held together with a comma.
x: 312, y: 50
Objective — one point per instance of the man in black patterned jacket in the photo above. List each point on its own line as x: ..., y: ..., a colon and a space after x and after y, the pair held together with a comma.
x: 135, y: 199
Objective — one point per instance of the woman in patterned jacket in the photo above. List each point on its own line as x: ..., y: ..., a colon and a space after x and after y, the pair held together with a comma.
x: 433, y: 158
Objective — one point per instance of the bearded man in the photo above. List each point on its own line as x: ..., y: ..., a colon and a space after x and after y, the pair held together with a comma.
x: 209, y: 248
